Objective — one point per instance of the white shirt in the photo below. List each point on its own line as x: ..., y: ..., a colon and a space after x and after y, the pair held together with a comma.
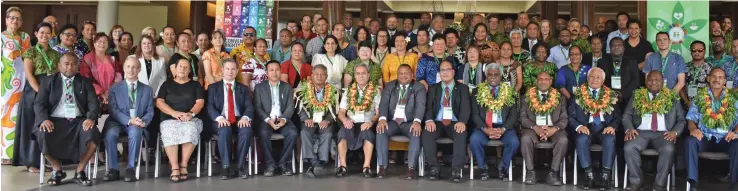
x: 532, y: 43
x: 274, y: 90
x: 646, y: 120
x: 59, y: 110
x: 367, y: 114
x: 225, y: 101
x: 335, y: 66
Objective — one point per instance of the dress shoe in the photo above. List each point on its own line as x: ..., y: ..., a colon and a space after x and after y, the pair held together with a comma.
x: 483, y: 174
x: 553, y: 178
x: 269, y: 172
x: 341, y: 171
x: 605, y: 179
x: 410, y: 174
x: 243, y: 174
x: 286, y: 171
x: 531, y: 177
x: 225, y: 173
x: 633, y: 187
x: 130, y: 175
x: 456, y: 175
x: 382, y: 173
x: 502, y: 174
x: 590, y: 179
x: 311, y: 172
x: 658, y: 188
x: 112, y: 175
x: 435, y: 173
x: 367, y: 172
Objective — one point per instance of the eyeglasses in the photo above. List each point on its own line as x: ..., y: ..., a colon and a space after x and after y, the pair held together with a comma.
x: 447, y: 70
x: 69, y: 34
x: 14, y: 18
x: 698, y: 50
x: 249, y: 34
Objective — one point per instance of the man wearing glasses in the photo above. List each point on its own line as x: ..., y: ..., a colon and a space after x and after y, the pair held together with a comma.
x: 245, y: 50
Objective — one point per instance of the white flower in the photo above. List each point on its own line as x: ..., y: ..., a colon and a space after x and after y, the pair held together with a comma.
x: 407, y: 39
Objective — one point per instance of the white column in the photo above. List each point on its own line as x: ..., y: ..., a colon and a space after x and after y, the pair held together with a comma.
x: 107, y: 15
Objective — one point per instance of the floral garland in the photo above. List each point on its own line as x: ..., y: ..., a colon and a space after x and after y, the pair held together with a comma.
x: 311, y: 101
x: 606, y: 98
x: 661, y: 104
x: 486, y: 99
x: 723, y: 118
x: 366, y: 103
x: 542, y: 108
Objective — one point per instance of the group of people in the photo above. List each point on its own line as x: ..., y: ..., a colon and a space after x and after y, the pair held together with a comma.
x: 520, y: 85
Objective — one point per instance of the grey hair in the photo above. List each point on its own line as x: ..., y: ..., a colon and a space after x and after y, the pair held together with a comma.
x: 493, y: 66
x: 596, y: 69
x: 361, y: 65
x: 132, y: 58
x: 518, y: 31
x: 320, y: 66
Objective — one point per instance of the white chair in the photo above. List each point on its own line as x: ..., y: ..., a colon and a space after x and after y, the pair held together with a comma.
x: 595, y: 148
x: 653, y: 152
x: 158, y: 157
x: 142, y: 151
x: 90, y: 173
x: 422, y: 157
x: 274, y: 137
x: 490, y: 143
x: 547, y: 145
x: 210, y: 155
x: 711, y: 156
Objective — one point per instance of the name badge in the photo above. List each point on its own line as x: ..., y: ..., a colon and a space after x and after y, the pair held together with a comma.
x: 495, y: 119
x: 132, y: 113
x: 448, y: 113
x: 400, y: 112
x: 615, y: 82
x: 542, y: 120
x: 730, y: 84
x: 194, y: 78
x: 318, y: 116
x: 666, y: 82
x: 70, y: 111
x: 691, y: 90
x: 358, y: 117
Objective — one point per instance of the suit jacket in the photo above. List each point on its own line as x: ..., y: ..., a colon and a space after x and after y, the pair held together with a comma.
x: 119, y: 105
x: 559, y: 116
x: 578, y: 117
x: 50, y: 94
x: 629, y: 75
x: 158, y: 73
x: 263, y: 97
x: 415, y: 105
x: 459, y: 102
x: 509, y: 114
x: 587, y: 59
x: 675, y: 119
x: 527, y: 46
x: 327, y: 116
x: 242, y: 97
x: 413, y: 40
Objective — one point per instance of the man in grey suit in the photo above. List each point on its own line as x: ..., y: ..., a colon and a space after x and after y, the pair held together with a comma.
x: 404, y: 101
x: 317, y: 120
x: 131, y: 110
x: 494, y: 125
x: 657, y: 129
x: 275, y: 103
x: 544, y: 125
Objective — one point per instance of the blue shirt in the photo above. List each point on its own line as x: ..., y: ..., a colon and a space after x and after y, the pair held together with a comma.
x: 674, y: 66
x: 614, y: 34
x: 277, y: 54
x: 349, y: 52
x: 428, y: 69
x: 439, y: 117
x: 559, y: 56
x: 695, y: 115
x: 566, y: 77
x: 731, y: 70
x: 725, y: 58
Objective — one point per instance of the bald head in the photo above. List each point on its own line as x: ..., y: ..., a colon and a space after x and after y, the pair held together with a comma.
x: 51, y: 20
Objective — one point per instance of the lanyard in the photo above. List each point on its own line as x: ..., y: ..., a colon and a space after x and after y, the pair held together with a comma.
x: 192, y: 64
x: 169, y: 52
x: 46, y: 59
x: 716, y: 104
x: 285, y: 54
x: 472, y: 74
x: 381, y: 59
x: 258, y: 61
x: 297, y: 69
x: 566, y: 56
x: 517, y: 58
x: 616, y: 64
x: 329, y: 59
x: 664, y: 63
x: 576, y: 73
x: 361, y: 92
x: 401, y: 60
x: 694, y: 73
x: 403, y: 93
x: 217, y: 57
x: 436, y: 59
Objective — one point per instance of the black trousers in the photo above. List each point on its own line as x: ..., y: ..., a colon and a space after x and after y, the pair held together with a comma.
x: 459, y: 146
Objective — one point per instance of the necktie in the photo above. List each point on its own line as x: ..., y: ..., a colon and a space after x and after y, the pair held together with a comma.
x: 595, y: 116
x: 447, y: 103
x: 231, y: 107
x: 132, y: 95
x: 545, y: 97
x: 488, y: 120
x: 403, y: 97
x: 68, y: 97
x: 654, y: 121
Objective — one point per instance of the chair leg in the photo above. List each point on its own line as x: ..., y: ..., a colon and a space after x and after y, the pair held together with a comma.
x: 96, y: 165
x: 301, y: 160
x: 43, y: 170
x: 293, y: 160
x: 256, y: 158
x: 199, y: 155
x: 421, y: 164
x: 471, y: 166
x: 107, y: 167
x: 615, y: 171
x: 625, y: 176
x: 563, y: 170
x: 251, y: 159
x: 576, y: 178
x: 145, y: 152
x: 210, y: 158
x: 157, y: 163
x: 524, y: 170
x: 509, y: 172
x: 138, y: 166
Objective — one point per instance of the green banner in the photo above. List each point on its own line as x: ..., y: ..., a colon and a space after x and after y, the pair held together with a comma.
x: 684, y: 21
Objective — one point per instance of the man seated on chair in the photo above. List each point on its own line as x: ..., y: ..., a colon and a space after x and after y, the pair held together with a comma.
x: 358, y: 114
x: 400, y: 112
x: 653, y: 116
x: 595, y: 118
x: 317, y: 110
x: 712, y: 127
x: 131, y: 107
x: 66, y: 110
x: 494, y: 111
x: 230, y: 106
x: 543, y: 117
x: 275, y: 103
x: 447, y: 111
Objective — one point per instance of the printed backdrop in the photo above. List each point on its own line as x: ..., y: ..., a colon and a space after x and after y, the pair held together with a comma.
x: 233, y: 16
x: 685, y: 21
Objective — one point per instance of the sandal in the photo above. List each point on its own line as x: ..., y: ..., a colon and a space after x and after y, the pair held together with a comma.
x: 56, y: 178
x: 183, y: 175
x: 174, y: 177
x: 81, y: 179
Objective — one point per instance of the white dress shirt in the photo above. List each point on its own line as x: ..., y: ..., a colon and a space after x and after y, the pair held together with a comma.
x: 646, y: 120
x: 225, y: 101
x: 367, y: 114
x: 59, y: 111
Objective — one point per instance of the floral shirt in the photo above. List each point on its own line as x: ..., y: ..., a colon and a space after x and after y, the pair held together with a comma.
x: 530, y: 73
x: 719, y: 63
x: 522, y: 57
x: 257, y: 70
x: 429, y: 69
x: 44, y: 62
x: 375, y: 70
x: 63, y: 50
x: 242, y: 54
x: 82, y: 46
x: 697, y: 75
x: 583, y: 44
x: 694, y: 114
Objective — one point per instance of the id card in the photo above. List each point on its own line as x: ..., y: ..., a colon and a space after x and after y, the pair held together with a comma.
x: 495, y: 119
x: 691, y: 90
x: 615, y: 82
x: 400, y: 112
x: 358, y: 117
x: 318, y: 116
x: 542, y: 120
x: 70, y: 111
x: 132, y: 113
x: 448, y: 113
x: 729, y: 84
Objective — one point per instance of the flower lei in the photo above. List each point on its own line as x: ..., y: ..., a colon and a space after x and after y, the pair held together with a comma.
x: 367, y: 99
x: 723, y: 118
x: 603, y: 104
x: 661, y: 104
x: 485, y: 98
x: 542, y: 108
x: 312, y: 101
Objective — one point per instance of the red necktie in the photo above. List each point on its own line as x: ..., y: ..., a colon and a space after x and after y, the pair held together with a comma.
x: 446, y: 103
x: 488, y: 120
x: 654, y: 122
x: 231, y: 107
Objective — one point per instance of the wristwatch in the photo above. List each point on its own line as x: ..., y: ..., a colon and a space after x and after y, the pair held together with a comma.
x: 191, y: 113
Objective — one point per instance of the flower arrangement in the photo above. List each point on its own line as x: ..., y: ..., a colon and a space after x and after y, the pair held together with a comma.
x: 722, y: 118
x: 364, y: 104
x: 547, y: 106
x: 606, y: 98
x: 661, y: 104
x: 311, y: 101
x: 485, y: 98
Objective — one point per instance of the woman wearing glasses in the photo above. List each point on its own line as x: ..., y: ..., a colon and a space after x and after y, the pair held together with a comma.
x: 14, y: 44
x: 84, y: 43
x: 101, y: 68
x: 68, y: 36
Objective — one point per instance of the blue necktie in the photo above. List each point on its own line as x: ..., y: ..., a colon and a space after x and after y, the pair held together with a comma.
x: 596, y: 116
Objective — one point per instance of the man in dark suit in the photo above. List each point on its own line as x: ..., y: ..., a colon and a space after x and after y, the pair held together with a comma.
x: 66, y: 112
x: 594, y: 127
x: 131, y: 110
x: 544, y: 125
x: 400, y: 112
x: 317, y: 120
x: 657, y: 129
x: 229, y: 105
x: 274, y: 104
x: 407, y: 27
x: 497, y: 125
x: 531, y: 37
x: 446, y: 113
x: 621, y: 72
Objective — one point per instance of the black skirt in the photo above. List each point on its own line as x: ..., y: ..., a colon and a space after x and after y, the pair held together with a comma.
x: 355, y: 136
x: 68, y: 140
x: 25, y: 150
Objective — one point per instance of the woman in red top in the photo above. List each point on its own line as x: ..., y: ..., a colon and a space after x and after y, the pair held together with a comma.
x: 296, y: 70
x: 101, y: 68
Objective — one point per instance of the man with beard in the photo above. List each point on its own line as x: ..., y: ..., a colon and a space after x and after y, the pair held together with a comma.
x: 507, y: 26
x: 622, y: 31
x: 621, y: 72
x: 523, y: 21
x: 560, y: 54
x: 348, y: 22
x: 561, y: 24
x: 575, y: 27
x: 719, y: 55
x: 391, y: 29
